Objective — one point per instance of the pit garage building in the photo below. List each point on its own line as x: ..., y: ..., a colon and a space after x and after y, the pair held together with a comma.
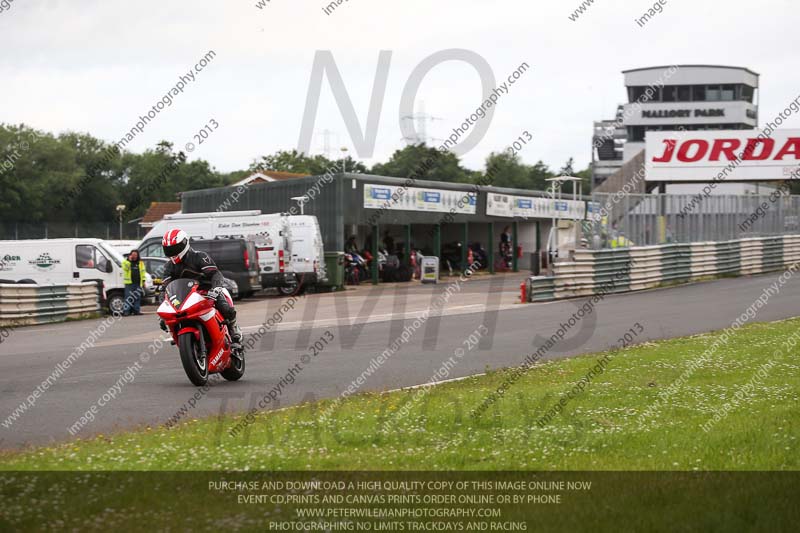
x: 424, y: 214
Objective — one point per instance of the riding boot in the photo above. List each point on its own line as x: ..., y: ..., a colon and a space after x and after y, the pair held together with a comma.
x: 236, y: 333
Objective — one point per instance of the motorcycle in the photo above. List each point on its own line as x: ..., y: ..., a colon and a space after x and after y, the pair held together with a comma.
x: 480, y: 255
x: 451, y: 256
x: 355, y: 268
x: 200, y: 332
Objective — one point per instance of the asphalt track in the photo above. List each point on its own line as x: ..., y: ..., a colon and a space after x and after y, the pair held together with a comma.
x: 363, y: 323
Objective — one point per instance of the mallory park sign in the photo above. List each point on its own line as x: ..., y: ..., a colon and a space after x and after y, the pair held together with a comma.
x: 682, y: 113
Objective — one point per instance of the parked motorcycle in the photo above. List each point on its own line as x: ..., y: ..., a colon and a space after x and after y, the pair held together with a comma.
x: 451, y: 257
x: 200, y: 332
x: 383, y: 256
x: 481, y: 257
x: 355, y: 268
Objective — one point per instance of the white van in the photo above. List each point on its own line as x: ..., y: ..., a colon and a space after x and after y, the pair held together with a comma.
x: 123, y: 247
x: 273, y: 235
x: 62, y: 261
x: 308, y: 256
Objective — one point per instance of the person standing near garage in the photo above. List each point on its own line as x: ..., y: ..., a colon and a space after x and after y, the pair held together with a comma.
x: 505, y: 246
x: 133, y: 274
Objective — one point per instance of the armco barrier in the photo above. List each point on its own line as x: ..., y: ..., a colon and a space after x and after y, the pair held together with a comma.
x: 22, y: 305
x: 646, y: 267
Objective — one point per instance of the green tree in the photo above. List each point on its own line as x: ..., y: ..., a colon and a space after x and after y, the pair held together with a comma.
x: 585, y: 175
x: 300, y: 163
x: 425, y: 162
x: 160, y: 175
x: 586, y: 179
x: 97, y: 191
x: 348, y: 163
x: 76, y: 178
x: 538, y: 175
x: 505, y: 170
x: 44, y: 178
x: 567, y: 169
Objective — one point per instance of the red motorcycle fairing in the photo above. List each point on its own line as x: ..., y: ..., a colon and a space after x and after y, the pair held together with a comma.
x: 194, y: 313
x: 190, y: 329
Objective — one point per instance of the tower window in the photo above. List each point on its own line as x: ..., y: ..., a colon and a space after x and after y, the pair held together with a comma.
x: 699, y: 93
x: 747, y: 93
x: 728, y: 93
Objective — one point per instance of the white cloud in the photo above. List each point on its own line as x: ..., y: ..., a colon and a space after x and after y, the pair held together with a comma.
x: 97, y: 67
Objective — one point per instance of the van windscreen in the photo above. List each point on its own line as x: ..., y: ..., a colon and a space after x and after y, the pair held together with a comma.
x: 115, y: 255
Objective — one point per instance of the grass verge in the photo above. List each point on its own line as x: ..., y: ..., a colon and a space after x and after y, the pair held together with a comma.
x: 627, y: 418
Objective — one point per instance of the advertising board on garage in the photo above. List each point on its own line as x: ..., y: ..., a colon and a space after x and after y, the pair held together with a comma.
x: 417, y: 199
x: 505, y: 205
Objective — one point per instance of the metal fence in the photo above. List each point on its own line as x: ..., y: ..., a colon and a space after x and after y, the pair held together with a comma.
x: 648, y: 219
x: 62, y: 230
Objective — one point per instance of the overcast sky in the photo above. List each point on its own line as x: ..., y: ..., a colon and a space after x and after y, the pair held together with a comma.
x: 95, y: 66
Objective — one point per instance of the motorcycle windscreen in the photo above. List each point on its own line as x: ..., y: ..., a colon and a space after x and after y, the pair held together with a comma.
x: 177, y: 291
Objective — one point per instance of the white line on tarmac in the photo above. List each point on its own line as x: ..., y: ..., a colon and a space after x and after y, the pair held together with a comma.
x: 347, y: 321
x: 434, y: 383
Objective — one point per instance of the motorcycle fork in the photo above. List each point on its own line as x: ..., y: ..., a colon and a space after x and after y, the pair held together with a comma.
x: 201, y: 339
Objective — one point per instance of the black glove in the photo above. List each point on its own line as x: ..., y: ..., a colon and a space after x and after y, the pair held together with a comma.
x: 162, y: 324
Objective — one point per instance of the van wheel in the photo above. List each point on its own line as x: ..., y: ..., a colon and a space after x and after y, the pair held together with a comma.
x: 288, y: 290
x: 116, y: 304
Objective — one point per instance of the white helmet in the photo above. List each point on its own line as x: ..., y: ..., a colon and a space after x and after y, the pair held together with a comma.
x: 175, y: 244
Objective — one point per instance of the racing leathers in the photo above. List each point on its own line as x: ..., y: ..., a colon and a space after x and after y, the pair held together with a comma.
x: 199, y: 266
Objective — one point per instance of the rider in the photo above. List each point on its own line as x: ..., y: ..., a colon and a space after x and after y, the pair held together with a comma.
x: 188, y: 263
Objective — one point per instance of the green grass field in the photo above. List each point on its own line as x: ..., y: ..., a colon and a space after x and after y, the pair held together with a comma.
x: 602, y: 428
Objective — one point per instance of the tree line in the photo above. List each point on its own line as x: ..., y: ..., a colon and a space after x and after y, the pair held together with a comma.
x: 77, y: 178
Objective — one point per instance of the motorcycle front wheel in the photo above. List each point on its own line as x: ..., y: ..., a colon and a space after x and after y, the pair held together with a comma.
x: 236, y: 370
x: 195, y: 364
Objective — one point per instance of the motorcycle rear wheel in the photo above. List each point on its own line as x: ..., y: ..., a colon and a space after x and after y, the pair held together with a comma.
x: 195, y: 365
